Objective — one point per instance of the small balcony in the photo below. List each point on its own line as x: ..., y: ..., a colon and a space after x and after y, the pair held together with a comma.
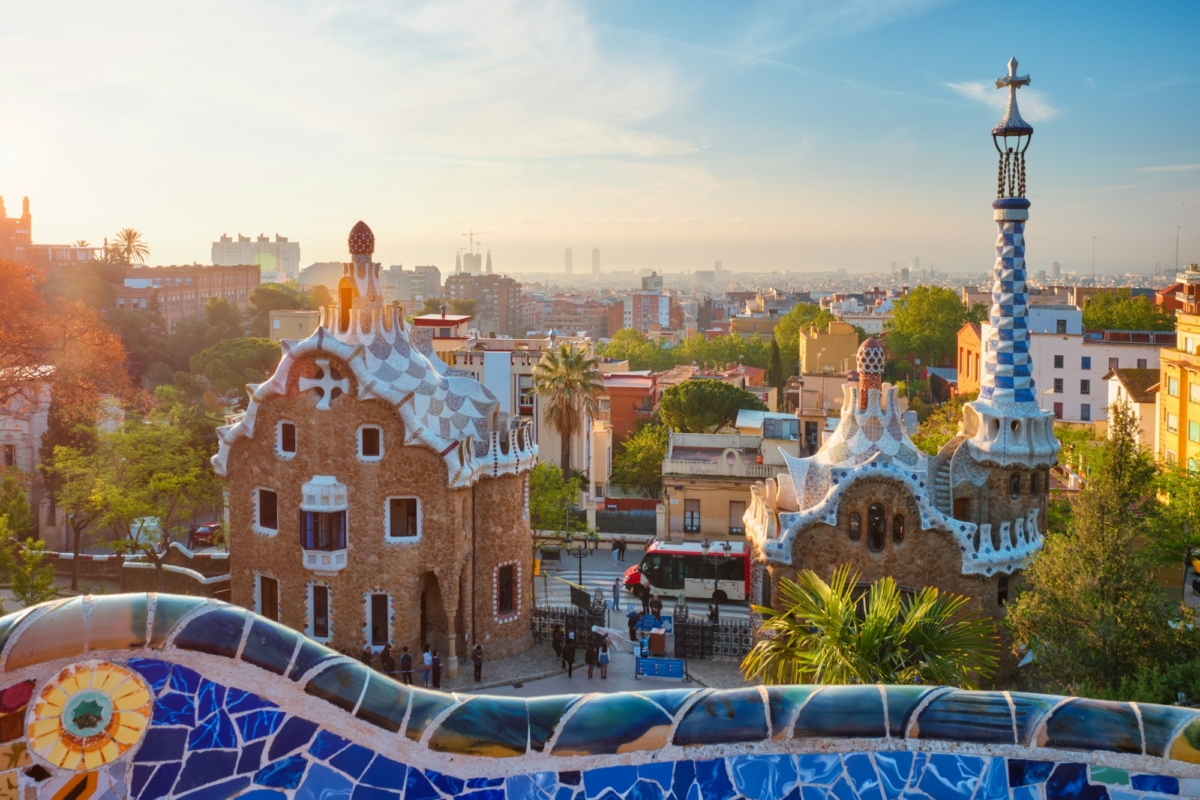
x: 325, y: 562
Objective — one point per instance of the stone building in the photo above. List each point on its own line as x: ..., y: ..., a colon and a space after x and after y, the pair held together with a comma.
x: 967, y: 520
x: 376, y: 495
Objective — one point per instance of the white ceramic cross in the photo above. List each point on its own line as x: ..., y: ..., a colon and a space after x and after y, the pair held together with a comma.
x: 325, y: 384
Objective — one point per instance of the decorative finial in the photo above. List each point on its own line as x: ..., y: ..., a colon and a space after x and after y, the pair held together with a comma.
x: 1011, y: 178
x: 362, y: 240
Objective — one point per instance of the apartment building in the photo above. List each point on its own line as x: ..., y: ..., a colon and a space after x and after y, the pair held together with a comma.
x: 182, y: 291
x: 497, y: 301
x: 1178, y: 399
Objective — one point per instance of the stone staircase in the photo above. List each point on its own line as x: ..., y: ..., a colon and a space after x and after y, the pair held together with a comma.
x: 941, y: 488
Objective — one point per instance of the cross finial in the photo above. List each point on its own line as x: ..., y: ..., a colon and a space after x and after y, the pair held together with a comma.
x: 1012, y: 80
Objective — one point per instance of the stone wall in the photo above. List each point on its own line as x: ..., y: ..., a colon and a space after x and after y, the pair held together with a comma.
x: 182, y: 697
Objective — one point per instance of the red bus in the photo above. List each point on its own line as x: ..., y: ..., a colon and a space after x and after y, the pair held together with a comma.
x: 669, y: 568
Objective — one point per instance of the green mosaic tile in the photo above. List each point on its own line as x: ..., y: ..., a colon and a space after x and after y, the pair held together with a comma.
x: 385, y: 703
x: 544, y: 715
x: 1110, y: 775
x: 426, y: 705
x: 168, y: 611
x: 117, y: 621
x: 58, y: 633
x: 484, y: 726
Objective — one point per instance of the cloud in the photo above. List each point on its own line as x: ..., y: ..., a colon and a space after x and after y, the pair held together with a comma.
x: 1033, y: 104
x: 802, y: 22
x: 1171, y: 168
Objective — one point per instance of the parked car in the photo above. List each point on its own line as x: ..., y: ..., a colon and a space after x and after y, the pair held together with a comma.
x: 203, y: 535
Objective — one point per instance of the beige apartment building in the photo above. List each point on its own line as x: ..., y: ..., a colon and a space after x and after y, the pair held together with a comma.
x: 831, y: 350
x: 292, y: 324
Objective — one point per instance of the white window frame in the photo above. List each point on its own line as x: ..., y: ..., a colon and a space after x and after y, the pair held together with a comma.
x: 387, y: 520
x: 391, y: 621
x: 359, y: 438
x: 515, y: 614
x: 309, y: 620
x: 259, y: 529
x: 279, y: 451
x: 258, y: 604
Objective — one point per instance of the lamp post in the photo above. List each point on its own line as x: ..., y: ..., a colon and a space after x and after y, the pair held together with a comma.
x: 578, y: 552
x: 716, y: 559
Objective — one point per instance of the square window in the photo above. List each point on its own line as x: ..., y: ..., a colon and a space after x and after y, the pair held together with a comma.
x: 1060, y: 326
x: 287, y: 438
x: 1173, y: 387
x: 1085, y: 387
x: 1058, y: 410
x: 403, y: 518
x: 1085, y: 412
x: 318, y: 611
x: 268, y: 510
x: 504, y: 590
x: 1058, y: 385
x: 1058, y: 362
x: 1085, y: 362
x: 370, y: 442
x: 1114, y: 363
x: 1141, y: 363
x: 1193, y: 431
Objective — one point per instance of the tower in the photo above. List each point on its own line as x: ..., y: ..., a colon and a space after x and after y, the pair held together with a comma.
x: 458, y: 263
x: 487, y: 270
x: 595, y: 260
x: 567, y: 262
x: 998, y: 466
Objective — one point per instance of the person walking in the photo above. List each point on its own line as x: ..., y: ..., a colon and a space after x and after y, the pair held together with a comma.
x: 591, y: 657
x: 624, y: 547
x: 406, y: 667
x: 477, y: 659
x: 556, y: 641
x: 568, y: 654
x: 605, y: 657
x: 645, y: 598
x: 427, y: 663
x: 714, y: 614
x: 366, y: 656
x: 387, y: 661
x: 616, y: 551
x: 437, y: 670
x: 616, y: 590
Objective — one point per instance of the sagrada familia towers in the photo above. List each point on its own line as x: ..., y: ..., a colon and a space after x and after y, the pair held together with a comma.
x: 966, y: 520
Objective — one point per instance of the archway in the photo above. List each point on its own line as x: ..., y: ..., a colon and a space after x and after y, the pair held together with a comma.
x: 433, y: 616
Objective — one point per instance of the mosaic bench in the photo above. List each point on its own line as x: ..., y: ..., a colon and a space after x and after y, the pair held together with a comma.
x: 148, y: 696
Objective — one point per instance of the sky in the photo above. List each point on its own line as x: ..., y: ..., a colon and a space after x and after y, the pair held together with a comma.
x: 768, y: 135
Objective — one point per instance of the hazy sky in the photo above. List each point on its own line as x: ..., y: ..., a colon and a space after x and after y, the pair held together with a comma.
x: 768, y: 135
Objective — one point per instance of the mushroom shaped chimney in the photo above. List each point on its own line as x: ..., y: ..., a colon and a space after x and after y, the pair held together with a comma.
x: 362, y: 240
x: 870, y: 368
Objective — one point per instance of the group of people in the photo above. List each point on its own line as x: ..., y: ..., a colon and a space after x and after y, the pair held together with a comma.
x: 431, y: 664
x: 619, y: 546
x: 598, y: 652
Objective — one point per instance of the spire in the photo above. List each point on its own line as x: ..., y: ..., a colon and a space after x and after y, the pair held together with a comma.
x: 25, y: 208
x: 488, y: 269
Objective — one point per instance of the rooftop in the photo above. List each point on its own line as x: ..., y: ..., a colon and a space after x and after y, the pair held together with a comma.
x: 1138, y: 382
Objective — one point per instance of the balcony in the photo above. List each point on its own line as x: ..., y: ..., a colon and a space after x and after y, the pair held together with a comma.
x: 325, y: 562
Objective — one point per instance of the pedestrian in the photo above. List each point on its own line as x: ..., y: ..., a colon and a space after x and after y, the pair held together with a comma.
x: 436, y: 665
x: 645, y: 598
x: 427, y: 659
x: 714, y: 614
x: 387, y: 661
x: 568, y: 654
x: 591, y: 657
x: 556, y: 641
x: 605, y: 657
x: 477, y: 658
x: 624, y: 547
x: 616, y: 594
x: 635, y: 617
x: 656, y: 606
x: 366, y: 656
x: 406, y: 667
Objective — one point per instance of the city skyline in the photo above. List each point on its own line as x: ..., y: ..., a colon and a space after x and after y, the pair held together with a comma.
x: 768, y: 137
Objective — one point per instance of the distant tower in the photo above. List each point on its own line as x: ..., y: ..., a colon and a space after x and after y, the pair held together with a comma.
x: 487, y: 269
x: 595, y: 260
x: 567, y: 265
x: 1057, y: 270
x: 458, y: 263
x: 915, y: 266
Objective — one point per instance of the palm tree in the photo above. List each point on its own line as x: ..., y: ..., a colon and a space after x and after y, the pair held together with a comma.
x: 80, y: 243
x: 570, y: 381
x: 130, y: 246
x: 836, y: 633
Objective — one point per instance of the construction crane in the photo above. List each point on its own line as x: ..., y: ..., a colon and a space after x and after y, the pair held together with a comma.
x: 471, y: 238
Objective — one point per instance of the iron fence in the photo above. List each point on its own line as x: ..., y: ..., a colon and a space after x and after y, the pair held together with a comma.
x: 695, y: 637
x: 573, y: 620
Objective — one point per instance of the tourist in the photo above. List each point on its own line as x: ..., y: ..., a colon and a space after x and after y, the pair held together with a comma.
x: 624, y: 547
x: 387, y: 661
x: 644, y: 594
x: 605, y: 657
x: 406, y: 667
x: 616, y: 551
x: 568, y: 654
x: 714, y: 614
x: 427, y: 657
x: 635, y: 617
x: 616, y: 589
x: 656, y: 606
x: 436, y: 665
x: 477, y: 658
x: 366, y: 656
x: 591, y: 657
x: 556, y: 641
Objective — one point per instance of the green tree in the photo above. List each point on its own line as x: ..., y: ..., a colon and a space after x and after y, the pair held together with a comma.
x: 775, y: 373
x: 321, y: 296
x: 72, y: 495
x: 637, y: 465
x: 569, y: 379
x: 939, y: 427
x: 465, y: 307
x: 925, y: 324
x: 231, y: 364
x: 704, y: 405
x: 432, y: 305
x: 551, y: 498
x: 1121, y: 311
x: 1090, y: 611
x: 267, y: 298
x: 14, y: 504
x: 32, y: 579
x: 835, y: 633
x: 129, y: 246
x: 787, y: 331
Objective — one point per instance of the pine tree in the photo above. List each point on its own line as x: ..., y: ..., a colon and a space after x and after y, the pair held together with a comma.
x: 775, y: 374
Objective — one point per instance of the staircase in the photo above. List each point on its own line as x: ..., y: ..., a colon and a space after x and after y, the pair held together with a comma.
x: 941, y: 488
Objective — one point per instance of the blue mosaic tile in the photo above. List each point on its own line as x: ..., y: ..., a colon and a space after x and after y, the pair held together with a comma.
x: 341, y: 684
x: 895, y: 768
x: 262, y: 794
x: 783, y: 702
x: 174, y: 708
x: 371, y: 793
x: 326, y: 744
x: 269, y: 646
x: 418, y: 787
x: 671, y: 700
x: 842, y: 790
x: 294, y: 734
x: 1023, y: 772
x: 185, y: 680
x: 155, y: 672
x: 1029, y: 710
x: 169, y: 609
x: 736, y: 715
x: 220, y: 791
x: 1082, y: 724
x: 814, y: 793
x: 1070, y: 782
x: 1155, y: 783
x: 527, y: 787
x: 205, y: 767
x: 239, y: 702
x: 322, y: 783
x: 384, y: 704
x: 250, y: 758
x: 951, y: 777
x: 982, y: 717
x: 163, y: 744
x: 570, y: 778
x: 661, y: 772
x: 619, y: 779
x: 388, y: 774
x: 605, y: 724
x: 310, y: 655
x: 712, y: 780
x: 544, y: 716
x: 426, y: 706
x: 492, y: 726
x: 863, y: 777
x: 162, y: 781
x: 258, y: 724
x: 217, y: 632
x: 684, y: 777
x: 818, y: 769
x: 217, y: 731
x: 1160, y: 723
x: 446, y: 783
x: 353, y: 761
x: 842, y: 711
x: 209, y: 698
x: 764, y: 777
x: 902, y: 701
x: 283, y: 774
x: 1027, y: 793
x: 484, y: 794
x: 141, y: 774
x: 995, y: 781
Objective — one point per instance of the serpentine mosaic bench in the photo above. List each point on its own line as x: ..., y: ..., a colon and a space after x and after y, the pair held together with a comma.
x: 165, y: 696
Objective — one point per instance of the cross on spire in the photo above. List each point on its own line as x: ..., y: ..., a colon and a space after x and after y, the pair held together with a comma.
x: 324, y: 384
x: 1012, y: 80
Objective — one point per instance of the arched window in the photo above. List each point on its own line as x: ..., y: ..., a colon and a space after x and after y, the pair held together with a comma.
x: 1014, y: 485
x: 1033, y: 485
x: 855, y: 526
x: 876, y: 527
x: 898, y: 529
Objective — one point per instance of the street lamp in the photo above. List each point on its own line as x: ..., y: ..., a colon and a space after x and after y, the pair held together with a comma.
x: 718, y: 557
x: 579, y: 552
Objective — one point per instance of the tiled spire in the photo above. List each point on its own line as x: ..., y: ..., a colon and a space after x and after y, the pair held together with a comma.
x: 1007, y: 372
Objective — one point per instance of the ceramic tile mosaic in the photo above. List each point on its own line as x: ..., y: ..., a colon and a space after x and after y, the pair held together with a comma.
x: 208, y: 701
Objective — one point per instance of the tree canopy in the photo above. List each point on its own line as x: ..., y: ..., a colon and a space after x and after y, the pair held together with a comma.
x: 271, y: 297
x: 1121, y: 311
x: 787, y: 332
x: 231, y: 364
x: 569, y: 380
x: 642, y: 354
x: 551, y: 498
x: 704, y: 405
x: 925, y: 324
x: 637, y: 464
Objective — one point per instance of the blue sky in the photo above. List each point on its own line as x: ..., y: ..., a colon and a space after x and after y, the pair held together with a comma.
x: 800, y: 135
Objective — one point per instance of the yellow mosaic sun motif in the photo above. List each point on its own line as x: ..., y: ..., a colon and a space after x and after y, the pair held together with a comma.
x: 91, y: 714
